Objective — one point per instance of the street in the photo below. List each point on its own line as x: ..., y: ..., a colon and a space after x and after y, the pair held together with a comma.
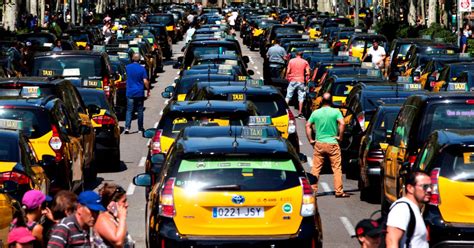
x: 338, y: 215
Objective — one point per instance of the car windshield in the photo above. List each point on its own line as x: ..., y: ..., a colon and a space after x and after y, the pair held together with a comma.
x: 237, y: 174
x: 83, y: 66
x: 94, y: 97
x: 161, y: 19
x: 287, y: 30
x: 211, y: 50
x: 403, y: 50
x: 458, y: 163
x: 34, y: 122
x: 457, y: 70
x: 447, y: 116
x: 387, y: 120
x: 341, y: 89
x: 80, y: 37
x: 9, y: 150
x: 172, y: 124
x: 269, y: 105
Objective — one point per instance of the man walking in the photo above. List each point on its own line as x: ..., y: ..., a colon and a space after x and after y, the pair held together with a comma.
x: 328, y: 125
x: 73, y: 231
x: 377, y: 53
x: 276, y: 56
x: 405, y: 224
x: 297, y: 73
x: 137, y: 81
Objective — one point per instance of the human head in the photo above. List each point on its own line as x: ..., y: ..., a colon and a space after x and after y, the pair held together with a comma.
x: 418, y: 186
x: 88, y: 208
x: 368, y: 232
x: 113, y: 193
x: 32, y: 202
x: 20, y: 237
x: 136, y: 57
x: 327, y: 99
x: 64, y: 204
x: 375, y: 44
x: 58, y: 42
x: 299, y: 54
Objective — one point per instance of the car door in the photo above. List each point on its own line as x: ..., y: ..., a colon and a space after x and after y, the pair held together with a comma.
x: 30, y: 162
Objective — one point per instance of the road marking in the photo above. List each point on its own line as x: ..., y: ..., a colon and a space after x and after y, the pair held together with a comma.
x: 167, y: 101
x: 325, y: 186
x: 156, y: 125
x: 310, y: 161
x: 348, y: 225
x: 161, y: 112
x: 142, y: 161
x: 261, y: 78
x: 147, y: 144
x: 258, y: 73
x: 130, y: 189
x: 256, y: 68
x: 300, y: 142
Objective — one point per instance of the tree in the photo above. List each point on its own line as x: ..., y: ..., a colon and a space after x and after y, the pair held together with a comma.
x: 412, y: 13
x: 10, y: 13
x: 432, y: 7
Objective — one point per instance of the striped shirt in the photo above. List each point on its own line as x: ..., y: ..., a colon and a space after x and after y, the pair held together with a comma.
x: 68, y: 233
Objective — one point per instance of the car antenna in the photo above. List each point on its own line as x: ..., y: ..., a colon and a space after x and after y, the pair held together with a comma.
x: 235, y: 144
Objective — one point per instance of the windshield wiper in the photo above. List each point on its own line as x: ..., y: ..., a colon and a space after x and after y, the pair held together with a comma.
x: 223, y: 187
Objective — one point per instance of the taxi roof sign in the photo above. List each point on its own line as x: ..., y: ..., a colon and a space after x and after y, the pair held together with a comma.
x: 122, y: 45
x: 11, y: 124
x: 231, y: 62
x: 263, y: 120
x: 457, y: 87
x: 412, y: 86
x: 406, y: 80
x: 323, y: 45
x: 224, y: 71
x: 367, y: 65
x: 98, y: 48
x: 71, y: 72
x: 373, y: 73
x: 236, y: 97
x: 30, y: 92
x: 464, y: 55
x: 343, y: 53
x: 254, y: 82
x: 225, y: 67
x: 254, y: 132
x: 352, y: 59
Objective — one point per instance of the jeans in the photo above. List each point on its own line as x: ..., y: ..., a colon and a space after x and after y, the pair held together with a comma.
x: 132, y: 104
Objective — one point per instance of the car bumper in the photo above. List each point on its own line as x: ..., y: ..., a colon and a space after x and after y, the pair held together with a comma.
x: 307, y: 231
x: 443, y: 234
x: 107, y: 139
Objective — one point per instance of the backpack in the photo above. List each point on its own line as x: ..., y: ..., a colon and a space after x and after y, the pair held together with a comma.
x: 410, y: 228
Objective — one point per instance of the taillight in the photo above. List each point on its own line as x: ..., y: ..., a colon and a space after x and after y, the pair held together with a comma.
x: 435, y: 199
x: 307, y: 205
x: 375, y: 155
x: 361, y: 120
x: 106, y: 86
x: 350, y: 50
x: 470, y: 101
x: 156, y: 142
x: 14, y: 177
x: 166, y: 207
x: 412, y: 159
x: 291, y: 122
x: 56, y: 144
x: 104, y: 120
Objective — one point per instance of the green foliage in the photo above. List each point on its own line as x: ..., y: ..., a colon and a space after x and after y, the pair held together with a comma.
x: 437, y: 31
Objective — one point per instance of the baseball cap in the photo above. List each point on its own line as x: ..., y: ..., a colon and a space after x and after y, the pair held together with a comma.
x: 20, y: 235
x: 33, y: 199
x: 368, y: 227
x: 91, y: 200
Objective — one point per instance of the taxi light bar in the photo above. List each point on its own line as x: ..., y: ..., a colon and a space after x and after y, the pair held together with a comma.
x: 166, y: 207
x: 307, y: 205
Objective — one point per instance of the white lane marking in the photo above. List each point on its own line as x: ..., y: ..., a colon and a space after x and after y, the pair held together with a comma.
x: 325, y: 186
x: 156, y: 125
x: 167, y: 101
x: 147, y: 144
x: 348, y: 225
x: 258, y: 73
x: 256, y: 68
x: 310, y: 161
x: 130, y: 189
x: 142, y: 161
x: 161, y: 112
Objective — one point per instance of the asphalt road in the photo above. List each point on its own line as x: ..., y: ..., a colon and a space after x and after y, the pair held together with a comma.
x: 339, y: 216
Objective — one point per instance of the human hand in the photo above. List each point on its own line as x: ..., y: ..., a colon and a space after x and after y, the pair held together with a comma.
x: 47, y: 212
x: 121, y: 212
x: 148, y: 93
x: 312, y: 142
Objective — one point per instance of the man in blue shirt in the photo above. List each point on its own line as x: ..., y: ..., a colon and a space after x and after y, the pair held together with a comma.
x: 137, y: 81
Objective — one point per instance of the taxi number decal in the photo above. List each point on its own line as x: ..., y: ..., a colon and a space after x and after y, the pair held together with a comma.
x: 457, y: 86
x: 10, y: 124
x: 242, y: 78
x: 238, y: 97
x: 240, y: 212
x: 47, y: 73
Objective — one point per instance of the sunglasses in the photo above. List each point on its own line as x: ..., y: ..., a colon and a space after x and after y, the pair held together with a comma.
x: 118, y: 190
x: 425, y: 187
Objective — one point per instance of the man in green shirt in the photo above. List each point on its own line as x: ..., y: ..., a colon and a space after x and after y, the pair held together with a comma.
x: 328, y: 125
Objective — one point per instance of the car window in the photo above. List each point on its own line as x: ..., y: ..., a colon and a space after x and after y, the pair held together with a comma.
x: 447, y: 116
x: 268, y: 106
x: 457, y: 163
x: 161, y: 19
x: 34, y: 122
x: 244, y: 173
x: 403, y: 50
x: 9, y: 151
x: 358, y: 43
x: 95, y: 97
x: 83, y: 66
x: 403, y: 127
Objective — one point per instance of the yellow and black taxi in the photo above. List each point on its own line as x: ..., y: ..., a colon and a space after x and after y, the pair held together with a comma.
x: 421, y: 75
x: 372, y: 149
x: 166, y: 20
x: 448, y: 156
x: 272, y: 33
x: 258, y: 32
x: 9, y: 207
x: 232, y: 186
x: 465, y: 82
x: 439, y: 79
x: 43, y: 41
x: 222, y: 59
x: 419, y: 116
x: 162, y: 38
x: 106, y: 126
x: 46, y: 123
x: 268, y: 100
x: 398, y: 52
x: 183, y: 85
x: 314, y: 29
x: 360, y: 43
x: 80, y: 37
x: 358, y: 110
x: 83, y: 68
x: 429, y: 49
x: 76, y: 115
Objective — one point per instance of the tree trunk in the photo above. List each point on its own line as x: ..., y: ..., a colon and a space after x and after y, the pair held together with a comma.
x: 10, y: 14
x: 421, y: 6
x: 432, y: 6
x: 33, y: 8
x: 412, y: 13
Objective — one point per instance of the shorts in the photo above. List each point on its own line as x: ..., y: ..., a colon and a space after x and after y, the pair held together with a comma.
x: 295, y: 86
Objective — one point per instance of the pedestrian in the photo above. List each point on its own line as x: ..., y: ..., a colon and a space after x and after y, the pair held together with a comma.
x: 27, y: 58
x: 377, y: 53
x: 74, y: 230
x: 57, y: 46
x: 107, y: 32
x: 276, y: 56
x: 368, y: 232
x: 63, y: 205
x: 189, y: 33
x: 297, y: 74
x: 33, y: 204
x: 328, y: 124
x: 137, y: 82
x: 111, y: 226
x: 405, y: 225
x: 14, y: 60
x: 232, y: 18
x: 466, y: 33
x: 20, y: 237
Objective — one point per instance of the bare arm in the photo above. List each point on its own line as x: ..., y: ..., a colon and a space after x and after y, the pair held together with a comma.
x: 341, y: 128
x: 393, y: 237
x: 308, y: 133
x: 109, y: 231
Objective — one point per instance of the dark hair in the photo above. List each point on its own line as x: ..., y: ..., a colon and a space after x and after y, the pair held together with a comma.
x: 64, y: 201
x: 111, y: 192
x: 326, y: 101
x: 410, y: 178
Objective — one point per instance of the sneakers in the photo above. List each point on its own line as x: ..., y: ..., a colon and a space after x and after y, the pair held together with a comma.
x: 300, y: 116
x: 140, y: 131
x: 127, y: 131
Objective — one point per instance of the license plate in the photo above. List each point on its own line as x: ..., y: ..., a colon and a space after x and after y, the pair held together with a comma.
x: 237, y: 212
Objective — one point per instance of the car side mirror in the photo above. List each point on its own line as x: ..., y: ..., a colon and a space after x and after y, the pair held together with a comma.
x: 405, y: 168
x: 149, y: 133
x: 143, y: 180
x: 246, y: 59
x: 311, y: 178
x: 250, y: 72
x: 157, y: 162
x: 166, y: 94
x: 93, y: 109
x: 169, y: 89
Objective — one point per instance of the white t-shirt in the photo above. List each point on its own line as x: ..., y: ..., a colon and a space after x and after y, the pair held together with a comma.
x: 399, y: 217
x: 232, y: 19
x: 376, y: 54
x: 190, y: 18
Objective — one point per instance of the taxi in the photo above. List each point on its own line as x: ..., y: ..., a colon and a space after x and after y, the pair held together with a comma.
x: 314, y: 29
x: 80, y: 37
x: 419, y: 116
x: 435, y: 63
x: 106, y: 126
x: 267, y: 99
x: 440, y: 79
x: 166, y: 20
x: 427, y: 49
x: 237, y: 185
x: 465, y: 82
x: 398, y: 52
x: 258, y: 32
x: 448, y: 156
x: 372, y: 149
x: 272, y: 33
x: 359, y: 43
x: 182, y: 86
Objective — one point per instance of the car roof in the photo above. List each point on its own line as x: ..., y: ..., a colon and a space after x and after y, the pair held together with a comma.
x: 261, y: 90
x: 356, y: 77
x: 32, y: 80
x: 455, y: 137
x: 211, y: 106
x: 9, y: 134
x: 69, y: 52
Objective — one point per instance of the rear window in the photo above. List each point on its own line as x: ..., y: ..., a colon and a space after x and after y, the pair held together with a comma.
x: 269, y: 106
x: 172, y: 125
x: 80, y: 37
x: 95, y: 97
x: 447, y: 116
x: 386, y: 121
x: 9, y: 150
x: 287, y: 30
x: 161, y: 19
x: 403, y: 50
x: 239, y: 174
x: 35, y: 122
x: 341, y: 89
x: 458, y: 164
x: 211, y: 50
x: 84, y: 66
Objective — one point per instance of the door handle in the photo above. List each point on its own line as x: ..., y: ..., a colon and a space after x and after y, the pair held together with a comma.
x: 389, y: 159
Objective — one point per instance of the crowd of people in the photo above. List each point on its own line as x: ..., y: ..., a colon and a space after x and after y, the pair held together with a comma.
x: 89, y: 219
